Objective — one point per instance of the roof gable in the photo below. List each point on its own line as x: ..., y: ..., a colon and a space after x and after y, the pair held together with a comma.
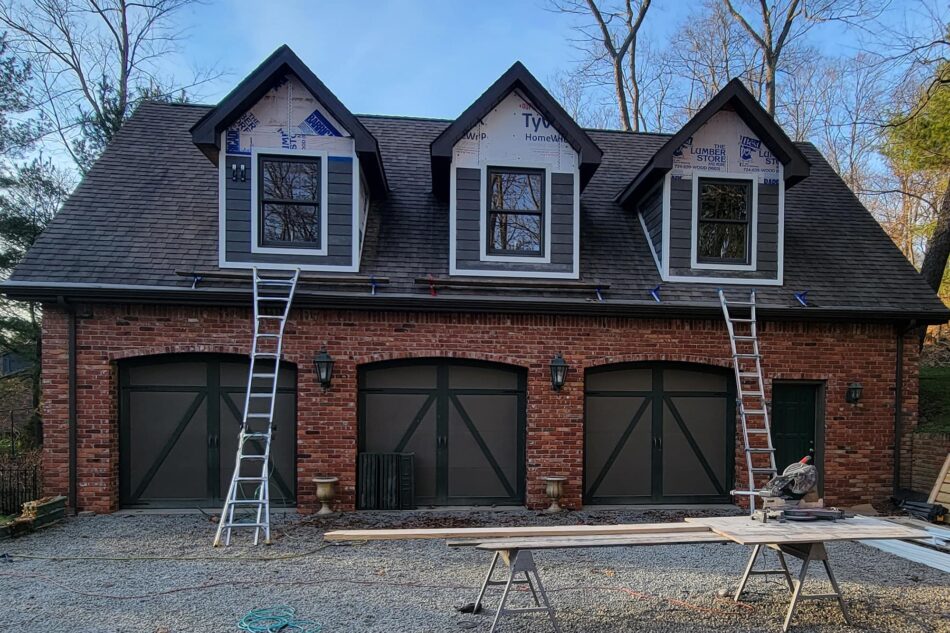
x: 515, y: 79
x: 734, y: 97
x: 206, y: 133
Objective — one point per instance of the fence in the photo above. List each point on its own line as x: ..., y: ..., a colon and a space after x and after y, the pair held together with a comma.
x: 19, y: 483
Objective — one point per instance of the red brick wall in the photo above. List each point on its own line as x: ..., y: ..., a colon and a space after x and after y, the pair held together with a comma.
x: 859, y: 439
x: 927, y: 454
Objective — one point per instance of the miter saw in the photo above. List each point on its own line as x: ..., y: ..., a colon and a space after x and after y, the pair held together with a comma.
x: 782, y: 495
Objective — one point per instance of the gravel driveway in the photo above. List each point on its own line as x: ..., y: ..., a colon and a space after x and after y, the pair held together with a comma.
x: 158, y: 574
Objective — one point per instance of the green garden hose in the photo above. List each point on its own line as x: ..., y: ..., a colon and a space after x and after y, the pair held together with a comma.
x: 278, y: 619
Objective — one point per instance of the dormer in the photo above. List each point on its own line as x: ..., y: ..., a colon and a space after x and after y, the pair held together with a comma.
x: 512, y: 167
x: 711, y: 201
x: 297, y: 171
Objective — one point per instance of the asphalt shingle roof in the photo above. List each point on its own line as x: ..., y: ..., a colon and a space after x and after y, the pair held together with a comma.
x: 149, y: 207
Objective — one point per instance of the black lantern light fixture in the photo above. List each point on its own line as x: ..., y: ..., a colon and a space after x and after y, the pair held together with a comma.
x: 853, y: 395
x: 559, y: 369
x: 324, y: 364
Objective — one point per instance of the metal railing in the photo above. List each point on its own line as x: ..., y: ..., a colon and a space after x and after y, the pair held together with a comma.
x: 19, y: 483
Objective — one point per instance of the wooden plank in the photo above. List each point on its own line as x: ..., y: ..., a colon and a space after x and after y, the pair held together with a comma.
x: 510, y: 532
x: 745, y: 531
x: 604, y: 540
x: 941, y: 489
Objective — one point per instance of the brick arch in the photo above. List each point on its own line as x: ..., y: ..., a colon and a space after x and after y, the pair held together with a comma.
x: 722, y: 363
x: 187, y: 348
x: 436, y: 354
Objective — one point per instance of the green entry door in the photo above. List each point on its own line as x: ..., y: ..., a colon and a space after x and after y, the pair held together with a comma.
x: 794, y: 421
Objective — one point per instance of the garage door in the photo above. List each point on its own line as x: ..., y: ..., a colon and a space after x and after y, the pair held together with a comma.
x: 463, y: 421
x: 179, y: 417
x: 658, y: 434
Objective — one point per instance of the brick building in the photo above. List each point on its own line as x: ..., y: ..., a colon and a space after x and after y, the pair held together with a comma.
x: 445, y: 265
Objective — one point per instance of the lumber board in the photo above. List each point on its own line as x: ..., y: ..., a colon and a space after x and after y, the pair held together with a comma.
x: 941, y: 490
x: 510, y: 532
x: 745, y: 531
x: 602, y: 540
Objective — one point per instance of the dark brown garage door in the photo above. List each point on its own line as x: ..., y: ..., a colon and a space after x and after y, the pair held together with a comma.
x: 659, y: 434
x: 463, y: 421
x: 179, y: 417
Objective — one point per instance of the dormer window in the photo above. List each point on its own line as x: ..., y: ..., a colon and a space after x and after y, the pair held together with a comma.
x: 515, y: 212
x: 289, y: 201
x: 725, y: 214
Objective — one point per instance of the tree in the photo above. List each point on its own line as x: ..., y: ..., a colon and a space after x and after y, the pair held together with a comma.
x: 612, y: 38
x: 29, y: 198
x: 777, y: 24
x: 16, y: 134
x: 919, y: 140
x: 94, y: 61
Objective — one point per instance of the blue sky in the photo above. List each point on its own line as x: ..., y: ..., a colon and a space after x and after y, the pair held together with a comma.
x: 405, y: 57
x: 410, y: 57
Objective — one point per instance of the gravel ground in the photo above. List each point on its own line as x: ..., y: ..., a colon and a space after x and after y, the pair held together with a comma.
x: 158, y: 574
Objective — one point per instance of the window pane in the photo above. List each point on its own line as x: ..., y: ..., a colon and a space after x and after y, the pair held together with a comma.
x: 297, y: 223
x: 291, y: 180
x: 722, y: 241
x: 724, y: 201
x: 516, y: 191
x: 514, y: 232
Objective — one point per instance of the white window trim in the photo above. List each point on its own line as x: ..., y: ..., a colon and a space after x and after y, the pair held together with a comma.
x: 753, y: 223
x: 454, y: 270
x: 256, y: 247
x: 484, y: 256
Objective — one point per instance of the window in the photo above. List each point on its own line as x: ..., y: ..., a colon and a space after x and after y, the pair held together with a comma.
x: 289, y: 201
x: 725, y: 210
x: 515, y: 212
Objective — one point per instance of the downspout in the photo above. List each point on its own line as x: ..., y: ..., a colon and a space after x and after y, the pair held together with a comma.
x: 899, y: 403
x: 73, y: 496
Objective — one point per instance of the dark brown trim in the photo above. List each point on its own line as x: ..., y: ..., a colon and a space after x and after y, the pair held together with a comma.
x: 515, y: 78
x: 734, y: 96
x: 486, y: 303
x: 206, y: 133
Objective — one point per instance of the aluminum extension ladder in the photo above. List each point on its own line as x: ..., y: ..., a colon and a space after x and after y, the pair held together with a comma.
x: 247, y: 504
x: 750, y: 395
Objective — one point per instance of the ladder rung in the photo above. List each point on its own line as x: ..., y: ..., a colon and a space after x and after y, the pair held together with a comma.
x: 256, y: 436
x: 740, y: 303
x: 261, y: 395
x: 250, y: 479
x: 741, y: 320
x: 759, y: 450
x: 746, y: 355
x: 257, y: 415
x: 268, y: 335
x: 254, y: 457
x: 264, y: 355
x: 275, y: 282
x: 263, y: 375
x: 270, y: 316
x: 247, y: 502
x: 757, y: 431
x: 745, y: 338
x: 748, y: 374
x: 771, y: 471
x: 244, y: 525
x: 753, y: 412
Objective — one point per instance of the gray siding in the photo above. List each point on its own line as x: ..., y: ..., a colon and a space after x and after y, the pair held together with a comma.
x: 652, y: 211
x: 766, y: 216
x: 339, y: 215
x: 468, y: 217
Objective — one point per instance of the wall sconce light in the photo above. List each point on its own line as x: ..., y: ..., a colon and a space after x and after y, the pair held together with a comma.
x: 853, y: 395
x: 324, y: 364
x: 559, y: 369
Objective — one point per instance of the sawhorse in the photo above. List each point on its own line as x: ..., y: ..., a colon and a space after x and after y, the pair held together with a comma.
x: 806, y: 552
x: 518, y: 562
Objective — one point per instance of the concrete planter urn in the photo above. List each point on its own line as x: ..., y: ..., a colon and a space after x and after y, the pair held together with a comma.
x: 554, y: 488
x: 326, y: 492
